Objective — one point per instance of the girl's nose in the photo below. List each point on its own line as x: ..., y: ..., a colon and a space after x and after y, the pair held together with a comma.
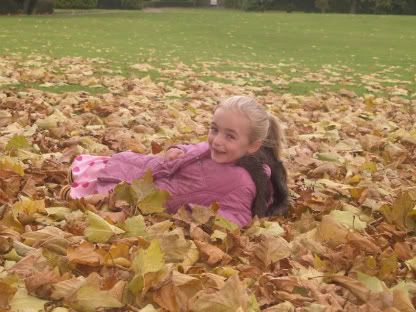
x: 217, y: 140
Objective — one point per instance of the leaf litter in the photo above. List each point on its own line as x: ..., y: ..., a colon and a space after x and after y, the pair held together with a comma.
x: 348, y: 243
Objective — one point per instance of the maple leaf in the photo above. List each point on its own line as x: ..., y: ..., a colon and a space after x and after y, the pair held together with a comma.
x: 154, y: 202
x: 231, y: 297
x: 22, y: 301
x: 99, y: 230
x: 272, y: 249
x: 7, y: 291
x: 141, y: 193
x: 26, y: 209
x: 401, y: 210
x: 12, y: 164
x: 149, y: 260
x: 89, y: 299
x: 134, y: 226
x: 17, y: 142
x: 213, y: 254
x: 85, y: 253
x: 148, y: 265
x: 177, y: 291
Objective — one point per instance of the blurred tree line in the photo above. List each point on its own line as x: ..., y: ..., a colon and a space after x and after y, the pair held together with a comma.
x: 26, y: 6
x: 328, y: 6
x: 47, y: 6
x: 324, y: 6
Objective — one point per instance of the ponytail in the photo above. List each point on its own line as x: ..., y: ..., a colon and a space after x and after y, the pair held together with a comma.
x: 270, y: 153
x: 268, y: 201
x: 274, y: 137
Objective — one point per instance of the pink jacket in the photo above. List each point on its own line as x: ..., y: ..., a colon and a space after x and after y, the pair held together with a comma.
x: 192, y: 179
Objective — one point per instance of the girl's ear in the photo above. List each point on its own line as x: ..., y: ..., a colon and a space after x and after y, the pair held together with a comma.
x: 254, y: 147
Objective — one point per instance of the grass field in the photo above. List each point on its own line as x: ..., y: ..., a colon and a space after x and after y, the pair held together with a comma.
x: 286, y: 45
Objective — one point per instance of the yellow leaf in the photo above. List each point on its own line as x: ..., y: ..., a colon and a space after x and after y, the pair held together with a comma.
x: 225, y: 271
x: 201, y: 214
x: 149, y: 260
x: 401, y: 298
x: 58, y: 213
x: 158, y: 229
x: 12, y: 255
x: 400, y: 213
x: 85, y: 254
x: 354, y: 179
x: 52, y: 121
x: 370, y: 166
x: 143, y: 186
x: 231, y: 297
x: 7, y: 291
x: 191, y: 256
x: 124, y: 191
x: 136, y: 284
x: 99, y: 230
x: 174, y: 246
x: 89, y: 299
x: 412, y: 264
x: 320, y: 264
x: 148, y: 308
x: 154, y: 202
x: 268, y: 229
x: 118, y: 254
x: 23, y: 302
x: 17, y: 142
x: 272, y: 249
x: 12, y: 164
x: 348, y: 219
x: 218, y: 235
x: 333, y: 157
x: 369, y: 102
x: 284, y: 307
x: 356, y: 192
x: 331, y: 231
x: 28, y: 207
x: 226, y: 224
x: 9, y: 220
x: 134, y: 226
x: 389, y: 265
x: 371, y: 282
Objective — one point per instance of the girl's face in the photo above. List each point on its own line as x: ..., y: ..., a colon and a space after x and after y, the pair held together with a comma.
x: 228, y: 136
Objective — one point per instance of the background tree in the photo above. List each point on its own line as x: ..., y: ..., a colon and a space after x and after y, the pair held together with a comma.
x: 29, y: 6
x: 322, y: 5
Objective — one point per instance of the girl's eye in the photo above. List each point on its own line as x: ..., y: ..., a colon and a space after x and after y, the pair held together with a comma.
x: 230, y: 137
x: 213, y: 129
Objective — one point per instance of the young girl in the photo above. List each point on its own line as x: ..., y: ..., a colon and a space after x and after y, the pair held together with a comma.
x: 239, y: 166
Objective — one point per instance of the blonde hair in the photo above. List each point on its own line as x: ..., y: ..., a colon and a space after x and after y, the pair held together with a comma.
x: 264, y: 126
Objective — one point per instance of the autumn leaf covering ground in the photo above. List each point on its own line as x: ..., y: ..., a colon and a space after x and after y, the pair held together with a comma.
x: 347, y: 245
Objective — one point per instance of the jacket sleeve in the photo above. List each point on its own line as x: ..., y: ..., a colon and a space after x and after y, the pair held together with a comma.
x: 236, y: 205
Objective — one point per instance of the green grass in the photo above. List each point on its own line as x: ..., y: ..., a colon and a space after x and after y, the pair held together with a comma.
x: 362, y: 42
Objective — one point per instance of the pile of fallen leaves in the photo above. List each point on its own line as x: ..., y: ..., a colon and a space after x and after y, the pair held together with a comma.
x: 347, y: 245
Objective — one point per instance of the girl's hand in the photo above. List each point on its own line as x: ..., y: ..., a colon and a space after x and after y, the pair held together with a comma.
x: 174, y: 153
